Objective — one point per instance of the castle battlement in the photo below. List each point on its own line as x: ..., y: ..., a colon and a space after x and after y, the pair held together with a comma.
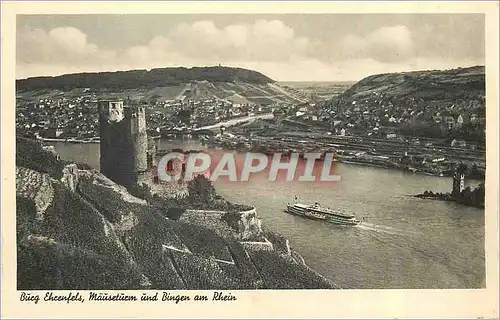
x: 134, y: 111
x: 111, y: 110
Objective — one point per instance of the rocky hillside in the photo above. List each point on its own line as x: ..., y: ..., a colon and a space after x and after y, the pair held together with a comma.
x: 231, y: 84
x: 435, y: 85
x: 76, y: 229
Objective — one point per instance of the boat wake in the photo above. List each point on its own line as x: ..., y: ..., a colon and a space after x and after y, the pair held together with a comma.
x: 385, y: 229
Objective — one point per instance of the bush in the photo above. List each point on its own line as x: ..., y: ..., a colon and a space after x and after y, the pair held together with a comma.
x: 202, y: 241
x: 25, y: 217
x: 202, y: 188
x: 278, y: 241
x: 232, y: 218
x: 29, y: 154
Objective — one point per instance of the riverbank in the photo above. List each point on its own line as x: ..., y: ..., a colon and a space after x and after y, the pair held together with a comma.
x: 390, y: 154
x: 71, y: 140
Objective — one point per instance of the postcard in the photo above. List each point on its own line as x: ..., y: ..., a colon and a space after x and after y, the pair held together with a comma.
x: 250, y: 159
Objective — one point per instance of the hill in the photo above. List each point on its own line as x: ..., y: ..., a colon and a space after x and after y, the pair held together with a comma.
x: 426, y: 86
x: 442, y: 104
x: 76, y: 229
x: 223, y: 83
x: 143, y: 78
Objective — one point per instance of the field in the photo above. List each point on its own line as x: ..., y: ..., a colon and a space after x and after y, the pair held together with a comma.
x: 318, y: 90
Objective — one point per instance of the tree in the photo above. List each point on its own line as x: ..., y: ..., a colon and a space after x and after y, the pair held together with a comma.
x: 201, y: 187
x: 185, y: 116
x: 478, y: 195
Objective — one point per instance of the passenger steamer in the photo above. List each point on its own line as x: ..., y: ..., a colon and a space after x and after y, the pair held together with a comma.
x: 316, y: 212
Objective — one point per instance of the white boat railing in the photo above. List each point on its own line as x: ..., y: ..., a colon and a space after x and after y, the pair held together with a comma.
x: 317, y: 207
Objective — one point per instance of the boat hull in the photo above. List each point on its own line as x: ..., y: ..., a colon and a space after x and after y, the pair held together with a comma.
x: 296, y: 212
x: 323, y: 217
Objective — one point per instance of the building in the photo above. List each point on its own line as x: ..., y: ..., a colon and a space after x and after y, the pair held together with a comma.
x: 278, y: 116
x: 123, y: 141
x: 54, y: 132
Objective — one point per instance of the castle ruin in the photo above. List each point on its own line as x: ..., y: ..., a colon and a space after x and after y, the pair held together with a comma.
x: 123, y: 141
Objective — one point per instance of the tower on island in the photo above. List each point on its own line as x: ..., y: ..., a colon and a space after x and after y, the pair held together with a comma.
x: 124, y: 141
x: 459, y: 180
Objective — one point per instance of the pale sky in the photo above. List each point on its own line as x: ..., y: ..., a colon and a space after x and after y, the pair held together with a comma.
x: 305, y: 47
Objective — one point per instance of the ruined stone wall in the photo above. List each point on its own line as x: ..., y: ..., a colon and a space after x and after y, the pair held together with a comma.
x: 70, y: 176
x: 258, y: 245
x: 249, y: 225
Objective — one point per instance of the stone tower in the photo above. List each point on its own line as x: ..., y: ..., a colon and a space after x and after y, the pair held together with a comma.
x: 124, y: 141
x: 137, y: 121
x: 459, y: 180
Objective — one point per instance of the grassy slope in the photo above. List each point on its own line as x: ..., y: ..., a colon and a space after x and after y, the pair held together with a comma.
x: 232, y: 84
x: 238, y: 93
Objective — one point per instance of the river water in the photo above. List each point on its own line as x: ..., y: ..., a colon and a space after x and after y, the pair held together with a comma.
x: 405, y: 242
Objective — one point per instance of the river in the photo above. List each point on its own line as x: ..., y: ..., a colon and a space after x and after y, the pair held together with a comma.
x: 405, y: 242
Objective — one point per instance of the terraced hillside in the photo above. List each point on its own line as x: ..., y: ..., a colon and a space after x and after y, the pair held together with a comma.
x: 231, y: 84
x: 82, y: 231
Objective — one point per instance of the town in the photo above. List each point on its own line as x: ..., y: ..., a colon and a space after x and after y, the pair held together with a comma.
x: 407, y: 134
x: 78, y: 118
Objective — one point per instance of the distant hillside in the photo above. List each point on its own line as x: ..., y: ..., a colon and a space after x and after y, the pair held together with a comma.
x: 442, y: 104
x: 318, y: 91
x: 426, y: 86
x: 143, y: 78
x: 223, y: 83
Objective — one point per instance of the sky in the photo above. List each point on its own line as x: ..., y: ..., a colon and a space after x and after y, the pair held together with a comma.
x: 292, y: 47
